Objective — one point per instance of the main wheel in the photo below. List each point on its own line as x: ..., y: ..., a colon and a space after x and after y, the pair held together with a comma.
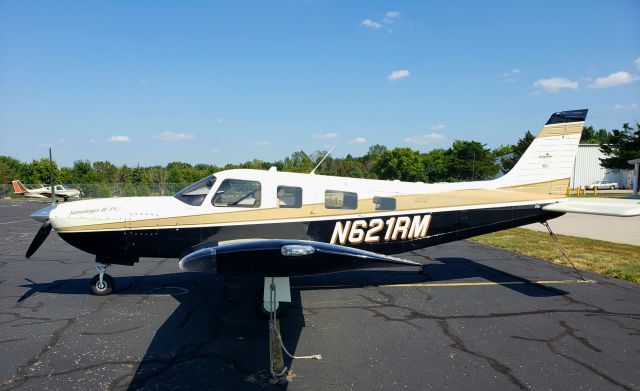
x: 612, y: 188
x: 107, y: 286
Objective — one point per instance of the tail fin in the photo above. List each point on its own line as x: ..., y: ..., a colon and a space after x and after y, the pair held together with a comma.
x: 547, y: 164
x: 18, y: 187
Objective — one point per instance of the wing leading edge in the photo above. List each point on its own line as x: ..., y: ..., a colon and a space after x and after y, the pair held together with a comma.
x: 597, y: 206
x: 284, y: 258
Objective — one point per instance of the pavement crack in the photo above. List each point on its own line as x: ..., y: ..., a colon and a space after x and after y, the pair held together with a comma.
x: 111, y: 332
x: 458, y: 343
x: 568, y: 331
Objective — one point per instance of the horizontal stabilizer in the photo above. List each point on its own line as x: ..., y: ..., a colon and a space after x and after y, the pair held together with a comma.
x: 284, y: 258
x: 597, y: 206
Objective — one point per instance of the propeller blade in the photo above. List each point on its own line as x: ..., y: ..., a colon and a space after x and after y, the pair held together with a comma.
x: 53, y: 189
x: 42, y: 234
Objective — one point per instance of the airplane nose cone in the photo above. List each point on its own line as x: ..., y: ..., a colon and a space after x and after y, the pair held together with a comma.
x: 42, y: 215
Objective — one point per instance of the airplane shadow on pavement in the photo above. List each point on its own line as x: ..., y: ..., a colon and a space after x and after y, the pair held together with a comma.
x: 215, y: 339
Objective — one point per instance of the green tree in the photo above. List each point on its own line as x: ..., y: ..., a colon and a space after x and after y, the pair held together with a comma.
x: 180, y: 173
x: 368, y: 161
x: 621, y: 146
x: 158, y: 178
x: 470, y: 160
x: 83, y: 172
x: 41, y: 172
x: 591, y: 136
x: 9, y: 171
x: 106, y: 172
x: 124, y: 174
x: 436, y: 165
x: 404, y: 164
x: 102, y: 190
x: 299, y: 161
x: 129, y: 190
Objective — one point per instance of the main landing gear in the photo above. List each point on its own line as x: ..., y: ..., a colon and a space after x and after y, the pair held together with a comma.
x: 102, y: 284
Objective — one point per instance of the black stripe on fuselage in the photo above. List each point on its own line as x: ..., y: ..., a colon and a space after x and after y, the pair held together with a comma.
x: 444, y: 227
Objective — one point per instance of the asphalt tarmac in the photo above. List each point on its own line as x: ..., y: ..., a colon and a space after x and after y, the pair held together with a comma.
x: 474, y: 317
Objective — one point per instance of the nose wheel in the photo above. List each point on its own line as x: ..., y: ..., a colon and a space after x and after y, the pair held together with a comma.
x: 102, y: 284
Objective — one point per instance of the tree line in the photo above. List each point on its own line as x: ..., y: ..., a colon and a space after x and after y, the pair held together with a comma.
x: 462, y: 161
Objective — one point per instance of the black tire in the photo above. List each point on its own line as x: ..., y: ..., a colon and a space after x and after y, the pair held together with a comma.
x: 109, y: 285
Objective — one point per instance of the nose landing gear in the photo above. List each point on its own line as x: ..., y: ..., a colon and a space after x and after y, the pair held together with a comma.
x: 102, y: 284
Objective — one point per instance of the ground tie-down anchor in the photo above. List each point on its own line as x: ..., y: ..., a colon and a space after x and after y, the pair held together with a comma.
x: 555, y: 239
x: 276, y: 346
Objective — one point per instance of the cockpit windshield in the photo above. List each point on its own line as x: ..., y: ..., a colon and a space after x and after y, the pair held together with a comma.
x: 195, y: 193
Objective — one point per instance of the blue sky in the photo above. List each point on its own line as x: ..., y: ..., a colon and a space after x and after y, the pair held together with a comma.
x: 150, y: 82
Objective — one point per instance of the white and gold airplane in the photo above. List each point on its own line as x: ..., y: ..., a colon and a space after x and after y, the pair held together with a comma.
x: 281, y: 224
x: 44, y: 192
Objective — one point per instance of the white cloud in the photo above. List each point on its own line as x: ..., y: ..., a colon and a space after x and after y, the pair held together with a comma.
x: 555, y: 84
x: 424, y: 138
x: 637, y: 62
x: 119, y: 139
x: 614, y: 79
x: 262, y: 143
x: 399, y: 74
x: 370, y: 24
x: 215, y: 150
x: 510, y: 76
x: 358, y: 140
x: 436, y: 127
x: 325, y: 136
x: 174, y: 136
x: 630, y: 106
x: 93, y: 141
x: 392, y: 14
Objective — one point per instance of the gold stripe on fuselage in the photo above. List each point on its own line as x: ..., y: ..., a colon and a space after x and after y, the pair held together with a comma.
x: 412, y: 202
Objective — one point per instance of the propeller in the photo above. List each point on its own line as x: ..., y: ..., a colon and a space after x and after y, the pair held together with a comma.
x: 53, y: 188
x: 43, y: 215
x: 42, y: 234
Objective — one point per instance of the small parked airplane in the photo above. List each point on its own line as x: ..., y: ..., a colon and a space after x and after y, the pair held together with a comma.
x: 282, y: 224
x: 45, y: 192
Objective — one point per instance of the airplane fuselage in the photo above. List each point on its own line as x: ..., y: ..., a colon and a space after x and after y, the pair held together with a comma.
x: 386, y: 217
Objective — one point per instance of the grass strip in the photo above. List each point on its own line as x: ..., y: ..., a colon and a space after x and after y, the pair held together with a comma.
x: 612, y: 259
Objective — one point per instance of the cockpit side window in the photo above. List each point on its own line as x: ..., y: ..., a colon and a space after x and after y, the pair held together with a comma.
x: 237, y: 193
x: 195, y: 193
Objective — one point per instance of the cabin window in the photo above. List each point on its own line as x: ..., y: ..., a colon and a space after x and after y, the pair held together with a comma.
x: 237, y: 193
x: 384, y: 203
x: 195, y: 193
x: 336, y: 199
x: 289, y: 197
x: 58, y: 187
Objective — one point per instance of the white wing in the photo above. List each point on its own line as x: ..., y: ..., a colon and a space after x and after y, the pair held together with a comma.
x: 597, y: 206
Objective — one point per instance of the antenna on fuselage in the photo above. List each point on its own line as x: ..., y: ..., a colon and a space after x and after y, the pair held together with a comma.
x: 322, y: 160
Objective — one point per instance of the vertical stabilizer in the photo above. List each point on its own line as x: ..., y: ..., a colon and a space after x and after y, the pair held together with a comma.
x: 18, y: 187
x: 547, y: 164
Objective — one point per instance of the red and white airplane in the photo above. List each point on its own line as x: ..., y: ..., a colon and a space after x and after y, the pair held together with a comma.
x: 282, y: 224
x: 45, y: 192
